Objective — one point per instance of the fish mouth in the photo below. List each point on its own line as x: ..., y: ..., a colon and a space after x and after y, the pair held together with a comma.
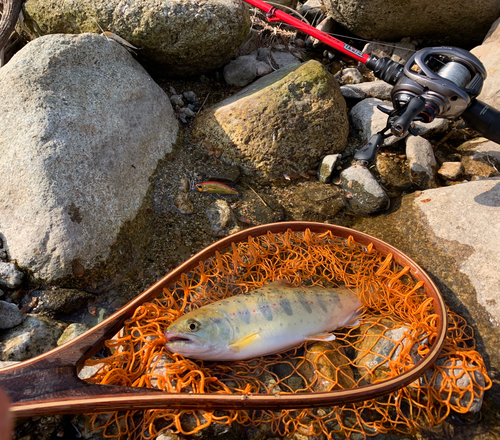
x: 173, y: 337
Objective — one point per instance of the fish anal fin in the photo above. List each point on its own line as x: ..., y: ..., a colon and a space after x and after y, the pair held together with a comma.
x: 354, y: 319
x: 244, y: 342
x: 321, y: 337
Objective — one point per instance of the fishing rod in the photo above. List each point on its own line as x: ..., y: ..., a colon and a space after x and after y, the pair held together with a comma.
x: 436, y: 82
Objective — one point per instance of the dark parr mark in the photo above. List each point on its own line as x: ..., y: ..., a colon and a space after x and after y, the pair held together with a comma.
x: 287, y: 307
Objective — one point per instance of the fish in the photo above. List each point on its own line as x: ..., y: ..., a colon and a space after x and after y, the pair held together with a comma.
x: 215, y: 188
x: 268, y: 320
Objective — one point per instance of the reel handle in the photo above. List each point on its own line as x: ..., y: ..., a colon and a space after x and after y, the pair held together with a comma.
x: 484, y: 119
x: 400, y: 125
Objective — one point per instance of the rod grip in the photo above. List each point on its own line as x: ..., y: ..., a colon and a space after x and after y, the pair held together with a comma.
x: 484, y: 119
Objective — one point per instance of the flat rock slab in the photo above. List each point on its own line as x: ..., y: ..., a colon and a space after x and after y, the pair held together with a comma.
x: 82, y: 128
x: 454, y: 234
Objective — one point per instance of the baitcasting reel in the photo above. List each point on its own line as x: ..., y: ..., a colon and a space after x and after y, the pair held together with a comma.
x: 435, y: 82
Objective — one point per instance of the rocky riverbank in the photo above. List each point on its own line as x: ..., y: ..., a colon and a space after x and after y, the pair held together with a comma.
x: 100, y: 163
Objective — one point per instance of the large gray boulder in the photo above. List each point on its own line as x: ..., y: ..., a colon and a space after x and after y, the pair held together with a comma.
x: 489, y: 54
x: 453, y: 22
x: 281, y: 123
x: 82, y: 128
x: 175, y: 38
x: 454, y: 234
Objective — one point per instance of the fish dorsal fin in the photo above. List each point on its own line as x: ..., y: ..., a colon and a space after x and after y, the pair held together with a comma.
x: 281, y: 283
x: 325, y: 336
x: 244, y: 342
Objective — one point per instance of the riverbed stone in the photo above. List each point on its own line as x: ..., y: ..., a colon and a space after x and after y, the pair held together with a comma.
x: 244, y: 69
x: 369, y: 89
x: 54, y: 302
x: 327, y: 367
x: 480, y: 158
x: 71, y: 332
x: 451, y: 170
x: 453, y: 233
x: 362, y: 193
x: 283, y: 122
x: 422, y: 162
x: 457, y: 381
x: 82, y: 129
x: 489, y: 54
x: 450, y: 22
x: 174, y: 38
x: 328, y: 167
x: 10, y: 277
x: 36, y: 335
x: 10, y: 316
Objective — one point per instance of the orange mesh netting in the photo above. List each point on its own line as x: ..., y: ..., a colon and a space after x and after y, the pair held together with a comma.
x: 398, y: 326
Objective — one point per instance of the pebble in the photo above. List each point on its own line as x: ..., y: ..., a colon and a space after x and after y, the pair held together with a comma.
x: 373, y: 89
x: 328, y: 166
x: 72, y: 331
x: 363, y: 195
x: 190, y: 96
x: 351, y: 75
x: 3, y: 255
x: 375, y: 352
x: 451, y: 170
x: 456, y: 383
x: 10, y: 277
x: 327, y: 367
x: 58, y: 301
x: 10, y: 316
x: 36, y: 335
x: 422, y: 162
x: 183, y: 203
x: 219, y: 216
x: 177, y: 100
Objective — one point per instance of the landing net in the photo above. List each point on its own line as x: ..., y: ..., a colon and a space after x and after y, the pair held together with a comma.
x: 397, y: 329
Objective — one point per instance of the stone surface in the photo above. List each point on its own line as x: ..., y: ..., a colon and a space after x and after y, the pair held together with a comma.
x: 489, y: 54
x: 452, y: 22
x: 451, y: 170
x: 244, y: 69
x: 422, y: 163
x: 58, y: 301
x: 174, y: 37
x: 282, y: 122
x: 328, y: 166
x: 370, y: 89
x: 36, y: 335
x: 82, y: 128
x: 394, y: 175
x: 10, y: 277
x: 10, y: 316
x: 71, y: 332
x: 351, y: 76
x: 362, y: 193
x: 453, y: 233
x: 480, y: 158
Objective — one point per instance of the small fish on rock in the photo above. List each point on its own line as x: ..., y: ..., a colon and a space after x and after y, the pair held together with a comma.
x: 268, y: 320
x: 215, y: 188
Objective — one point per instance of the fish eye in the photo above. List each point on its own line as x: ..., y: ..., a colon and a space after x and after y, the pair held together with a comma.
x: 192, y: 325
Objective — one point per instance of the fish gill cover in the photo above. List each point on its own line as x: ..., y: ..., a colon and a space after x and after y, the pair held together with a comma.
x: 397, y: 329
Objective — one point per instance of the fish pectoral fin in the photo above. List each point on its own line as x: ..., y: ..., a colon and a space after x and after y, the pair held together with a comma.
x: 321, y: 337
x: 244, y: 342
